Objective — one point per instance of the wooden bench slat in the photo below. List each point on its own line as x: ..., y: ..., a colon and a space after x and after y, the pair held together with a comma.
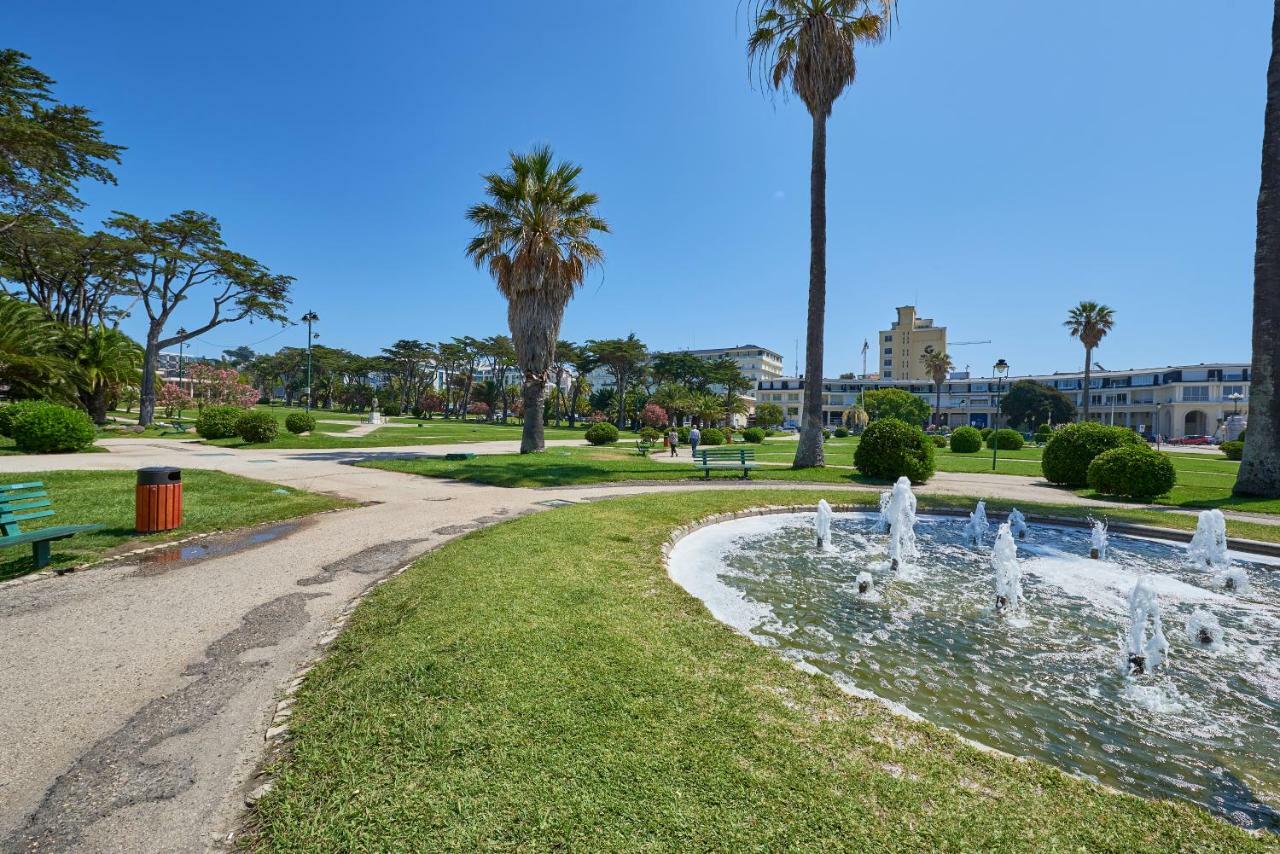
x: 10, y: 487
x: 14, y: 502
x: 25, y: 504
x: 10, y: 518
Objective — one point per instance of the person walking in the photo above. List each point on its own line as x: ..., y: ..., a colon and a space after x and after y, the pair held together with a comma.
x: 695, y: 436
x: 673, y: 439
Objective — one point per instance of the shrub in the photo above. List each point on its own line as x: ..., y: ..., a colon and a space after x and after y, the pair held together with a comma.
x: 712, y: 436
x: 653, y: 415
x: 986, y: 433
x: 1133, y: 471
x: 1043, y: 433
x: 10, y: 413
x: 841, y: 432
x: 219, y: 422
x: 683, y: 433
x: 1068, y: 454
x: 52, y: 429
x: 1232, y: 450
x: 300, y: 422
x: 754, y: 435
x: 966, y: 440
x: 391, y: 410
x: 256, y: 426
x: 649, y: 434
x: 939, y: 441
x: 890, y: 449
x: 601, y: 433
x: 1008, y: 440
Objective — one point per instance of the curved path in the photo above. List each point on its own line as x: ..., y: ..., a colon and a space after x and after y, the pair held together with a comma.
x: 134, y: 697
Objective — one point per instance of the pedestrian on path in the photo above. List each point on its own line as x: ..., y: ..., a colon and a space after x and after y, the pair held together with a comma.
x: 695, y: 436
x: 673, y: 439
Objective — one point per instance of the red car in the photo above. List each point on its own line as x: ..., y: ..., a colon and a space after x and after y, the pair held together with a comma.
x: 1195, y: 440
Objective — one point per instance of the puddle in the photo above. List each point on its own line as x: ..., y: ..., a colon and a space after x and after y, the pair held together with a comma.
x: 218, y: 545
x: 557, y: 502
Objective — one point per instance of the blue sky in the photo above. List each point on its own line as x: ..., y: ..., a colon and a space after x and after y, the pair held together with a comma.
x: 995, y: 163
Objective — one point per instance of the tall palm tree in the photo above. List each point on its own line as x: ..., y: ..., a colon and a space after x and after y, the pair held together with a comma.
x: 536, y: 235
x: 103, y: 360
x: 30, y: 363
x: 938, y: 366
x: 807, y: 47
x: 1090, y: 322
x: 1260, y: 466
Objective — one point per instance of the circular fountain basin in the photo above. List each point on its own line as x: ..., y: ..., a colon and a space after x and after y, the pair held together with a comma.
x: 1047, y: 681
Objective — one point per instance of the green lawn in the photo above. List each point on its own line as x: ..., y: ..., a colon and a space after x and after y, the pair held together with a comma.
x: 212, y: 501
x: 437, y: 431
x: 542, y: 685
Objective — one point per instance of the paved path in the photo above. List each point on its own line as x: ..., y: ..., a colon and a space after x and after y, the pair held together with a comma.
x: 134, y: 697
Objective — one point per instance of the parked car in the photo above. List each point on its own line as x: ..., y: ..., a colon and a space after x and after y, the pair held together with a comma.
x: 1195, y: 440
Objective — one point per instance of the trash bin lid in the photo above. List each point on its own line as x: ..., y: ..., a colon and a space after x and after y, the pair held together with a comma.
x: 158, y: 475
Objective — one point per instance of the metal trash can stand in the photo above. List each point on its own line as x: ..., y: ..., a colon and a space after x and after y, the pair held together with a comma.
x: 158, y: 499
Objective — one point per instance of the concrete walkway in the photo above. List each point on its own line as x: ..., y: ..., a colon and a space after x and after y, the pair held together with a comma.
x: 134, y: 697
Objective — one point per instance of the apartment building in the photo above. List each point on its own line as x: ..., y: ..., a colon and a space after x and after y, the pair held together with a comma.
x: 905, y: 341
x: 756, y: 363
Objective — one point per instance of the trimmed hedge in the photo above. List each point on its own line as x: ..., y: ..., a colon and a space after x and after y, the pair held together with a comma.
x: 712, y: 436
x: 1233, y: 450
x: 256, y: 426
x: 890, y: 449
x: 986, y: 433
x: 683, y: 434
x: 218, y: 422
x: 1008, y: 440
x: 1135, y: 471
x: 10, y: 412
x: 300, y: 422
x: 754, y: 435
x: 650, y: 434
x: 51, y: 429
x: 966, y: 440
x: 603, y: 433
x: 1073, y: 447
x: 1043, y: 433
x: 841, y: 432
x: 939, y: 441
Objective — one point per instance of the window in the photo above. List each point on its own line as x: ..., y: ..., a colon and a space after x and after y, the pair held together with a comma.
x: 1199, y: 393
x: 888, y: 351
x: 888, y: 375
x: 888, y: 338
x: 1233, y: 374
x: 1228, y: 390
x: 888, y: 363
x: 1144, y: 379
x: 1198, y: 375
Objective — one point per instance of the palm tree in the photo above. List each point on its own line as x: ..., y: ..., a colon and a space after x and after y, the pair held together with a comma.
x: 536, y: 235
x: 1260, y: 466
x: 807, y: 46
x: 938, y: 366
x: 30, y: 363
x: 103, y: 360
x: 1090, y: 322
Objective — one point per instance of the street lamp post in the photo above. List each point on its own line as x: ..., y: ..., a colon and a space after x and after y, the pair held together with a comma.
x: 1159, y: 406
x: 1000, y: 371
x: 1235, y: 399
x: 182, y: 343
x: 309, y: 318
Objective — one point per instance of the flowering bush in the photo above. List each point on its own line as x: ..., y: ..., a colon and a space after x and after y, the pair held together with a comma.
x: 653, y: 415
x: 173, y: 398
x: 479, y: 408
x: 215, y: 386
x: 429, y: 402
x: 597, y: 417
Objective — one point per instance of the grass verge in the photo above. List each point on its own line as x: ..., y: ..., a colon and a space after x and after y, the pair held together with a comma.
x: 212, y: 501
x: 542, y: 685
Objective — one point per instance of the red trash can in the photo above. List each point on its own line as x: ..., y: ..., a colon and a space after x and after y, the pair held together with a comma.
x: 158, y: 499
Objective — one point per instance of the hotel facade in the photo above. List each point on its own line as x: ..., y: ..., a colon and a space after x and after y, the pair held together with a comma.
x: 1176, y: 401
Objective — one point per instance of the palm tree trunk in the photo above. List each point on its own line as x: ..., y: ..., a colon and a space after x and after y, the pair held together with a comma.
x: 1260, y: 466
x: 809, y: 453
x: 937, y: 408
x: 1088, y: 392
x: 532, y: 437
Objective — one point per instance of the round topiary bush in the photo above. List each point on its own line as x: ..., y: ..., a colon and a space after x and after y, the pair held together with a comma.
x: 841, y: 432
x: 939, y: 440
x: 683, y: 433
x: 300, y: 422
x: 966, y: 440
x: 10, y: 412
x: 51, y: 429
x: 603, y: 433
x: 986, y: 433
x: 712, y: 436
x: 1043, y: 433
x: 1134, y: 471
x: 1008, y: 440
x: 650, y: 434
x: 890, y: 449
x: 1232, y: 450
x: 754, y: 435
x: 218, y: 422
x: 1068, y: 454
x: 256, y: 426
x: 391, y: 410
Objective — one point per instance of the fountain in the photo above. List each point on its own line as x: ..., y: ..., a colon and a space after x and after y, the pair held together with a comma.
x: 1236, y: 580
x: 978, y: 524
x: 1018, y: 523
x: 1208, y: 548
x: 1098, y: 539
x: 866, y: 585
x: 1145, y: 653
x: 823, y: 524
x: 1008, y: 577
x: 901, y: 514
x: 882, y: 524
x: 1203, y: 629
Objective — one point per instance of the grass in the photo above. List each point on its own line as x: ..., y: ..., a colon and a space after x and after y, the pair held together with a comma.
x: 542, y: 685
x: 436, y: 431
x: 212, y: 501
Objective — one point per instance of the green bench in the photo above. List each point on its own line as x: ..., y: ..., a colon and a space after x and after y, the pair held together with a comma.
x: 644, y: 447
x: 733, y: 459
x: 177, y: 425
x: 21, y: 502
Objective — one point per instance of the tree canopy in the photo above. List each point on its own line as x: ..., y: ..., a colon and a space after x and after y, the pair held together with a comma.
x: 895, y: 403
x: 1028, y: 404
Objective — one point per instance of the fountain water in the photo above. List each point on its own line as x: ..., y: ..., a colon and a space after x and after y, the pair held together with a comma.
x: 866, y: 585
x: 1208, y: 548
x: 1098, y: 539
x: 1008, y: 577
x: 823, y: 524
x: 901, y: 514
x: 1203, y: 629
x: 1236, y: 580
x: 1145, y: 653
x: 978, y: 524
x: 882, y: 524
x: 1018, y: 523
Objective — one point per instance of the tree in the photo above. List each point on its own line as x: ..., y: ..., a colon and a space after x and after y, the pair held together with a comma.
x: 707, y: 407
x: 72, y: 276
x: 565, y: 353
x: 676, y: 399
x: 895, y: 403
x: 239, y: 357
x: 407, y: 360
x: 681, y: 368
x: 536, y: 236
x: 213, y: 385
x: 1030, y: 404
x: 501, y: 354
x: 807, y: 47
x: 1089, y: 322
x: 172, y: 399
x: 938, y: 366
x: 624, y: 358
x: 175, y: 259
x: 582, y: 361
x: 725, y: 373
x: 46, y: 148
x: 768, y: 415
x: 102, y: 361
x: 1260, y: 466
x: 30, y: 364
